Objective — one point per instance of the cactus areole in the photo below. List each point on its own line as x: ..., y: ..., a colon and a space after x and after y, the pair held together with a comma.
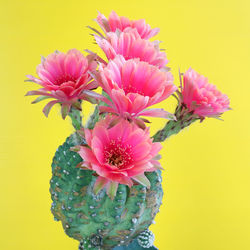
x: 106, y: 177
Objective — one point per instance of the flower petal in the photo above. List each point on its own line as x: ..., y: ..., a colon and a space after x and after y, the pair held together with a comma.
x: 48, y: 107
x: 100, y: 184
x: 112, y: 189
x: 157, y: 113
x: 65, y: 109
x: 40, y: 98
x: 87, y: 155
x: 142, y: 179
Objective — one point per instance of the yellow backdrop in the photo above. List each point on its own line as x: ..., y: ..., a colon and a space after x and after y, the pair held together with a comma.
x: 206, y: 205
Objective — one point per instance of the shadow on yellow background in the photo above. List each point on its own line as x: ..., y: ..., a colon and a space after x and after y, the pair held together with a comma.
x: 206, y: 205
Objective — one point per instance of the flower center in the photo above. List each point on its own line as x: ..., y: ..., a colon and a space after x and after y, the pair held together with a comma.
x: 115, y: 160
x: 117, y: 154
x: 64, y: 78
x: 132, y: 89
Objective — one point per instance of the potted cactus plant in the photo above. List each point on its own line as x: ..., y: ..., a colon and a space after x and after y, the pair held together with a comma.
x: 106, y: 177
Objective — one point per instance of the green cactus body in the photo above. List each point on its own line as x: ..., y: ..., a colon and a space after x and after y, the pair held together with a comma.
x: 95, y: 219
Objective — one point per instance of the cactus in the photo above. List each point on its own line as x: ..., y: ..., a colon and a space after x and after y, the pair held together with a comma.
x: 119, y: 149
x: 97, y: 221
x: 146, y: 239
x: 184, y: 118
x: 134, y: 245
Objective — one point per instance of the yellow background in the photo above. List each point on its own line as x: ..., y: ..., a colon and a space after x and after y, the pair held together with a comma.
x: 207, y: 179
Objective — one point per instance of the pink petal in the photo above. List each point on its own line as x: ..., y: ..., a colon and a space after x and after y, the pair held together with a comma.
x: 98, y: 149
x: 157, y: 113
x: 142, y: 179
x: 100, y: 184
x: 48, y: 107
x: 112, y: 189
x: 88, y: 136
x: 87, y: 155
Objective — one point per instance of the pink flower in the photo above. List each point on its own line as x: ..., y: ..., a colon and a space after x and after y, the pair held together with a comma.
x: 115, y: 22
x: 130, y: 45
x: 202, y: 97
x: 121, y: 154
x: 133, y: 86
x: 65, y: 78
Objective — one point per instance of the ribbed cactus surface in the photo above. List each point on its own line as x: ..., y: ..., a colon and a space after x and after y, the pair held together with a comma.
x: 96, y: 220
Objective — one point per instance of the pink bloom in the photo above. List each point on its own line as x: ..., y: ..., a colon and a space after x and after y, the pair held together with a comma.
x: 130, y: 45
x: 202, y: 97
x: 121, y: 154
x: 133, y: 86
x: 65, y: 78
x: 115, y: 22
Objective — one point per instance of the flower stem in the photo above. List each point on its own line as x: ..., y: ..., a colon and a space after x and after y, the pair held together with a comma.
x: 76, y: 118
x: 184, y: 119
x: 93, y: 119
